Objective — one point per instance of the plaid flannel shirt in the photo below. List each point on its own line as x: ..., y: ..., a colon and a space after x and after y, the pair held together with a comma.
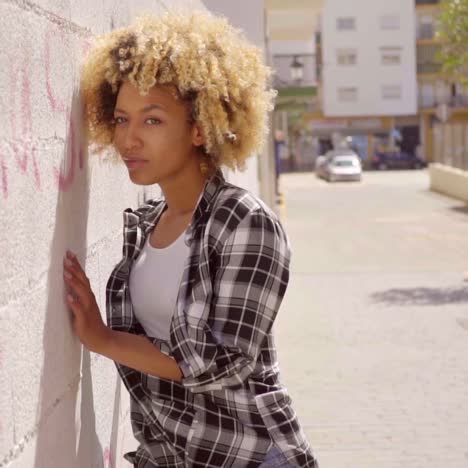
x: 230, y: 406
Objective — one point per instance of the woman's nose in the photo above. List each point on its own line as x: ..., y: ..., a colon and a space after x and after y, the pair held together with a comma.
x: 132, y: 138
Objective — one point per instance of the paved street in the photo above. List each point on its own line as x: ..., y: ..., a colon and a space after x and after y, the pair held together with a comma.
x: 373, y: 334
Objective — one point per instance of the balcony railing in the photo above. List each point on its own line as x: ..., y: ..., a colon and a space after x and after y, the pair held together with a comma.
x: 428, y: 68
x: 428, y: 99
x: 427, y: 2
x: 426, y: 31
x: 427, y: 58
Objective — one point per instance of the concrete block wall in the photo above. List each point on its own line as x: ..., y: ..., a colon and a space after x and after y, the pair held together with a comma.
x: 60, y: 406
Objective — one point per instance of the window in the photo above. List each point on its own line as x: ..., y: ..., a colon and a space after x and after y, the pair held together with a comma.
x: 426, y: 95
x: 427, y: 58
x: 346, y: 56
x: 347, y: 94
x: 346, y: 23
x: 426, y: 27
x: 460, y: 95
x: 344, y: 162
x: 390, y: 22
x: 390, y: 55
x: 391, y: 92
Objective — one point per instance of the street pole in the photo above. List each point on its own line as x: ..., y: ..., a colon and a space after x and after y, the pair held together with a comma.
x: 267, y: 171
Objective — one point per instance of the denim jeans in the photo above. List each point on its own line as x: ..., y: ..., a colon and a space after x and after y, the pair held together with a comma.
x: 275, y: 459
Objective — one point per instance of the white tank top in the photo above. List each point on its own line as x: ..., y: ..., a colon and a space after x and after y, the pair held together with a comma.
x: 154, y: 284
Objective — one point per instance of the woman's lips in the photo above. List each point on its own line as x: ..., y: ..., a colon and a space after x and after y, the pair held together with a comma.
x: 134, y: 163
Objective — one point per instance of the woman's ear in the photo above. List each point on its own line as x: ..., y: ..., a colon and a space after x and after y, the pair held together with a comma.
x: 198, y: 139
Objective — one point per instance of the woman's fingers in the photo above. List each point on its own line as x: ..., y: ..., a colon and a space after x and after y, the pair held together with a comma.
x: 75, y: 306
x: 87, y: 321
x: 81, y: 291
x: 71, y: 264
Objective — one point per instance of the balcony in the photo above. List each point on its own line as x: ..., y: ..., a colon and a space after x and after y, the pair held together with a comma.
x: 428, y: 68
x: 426, y: 31
x: 433, y: 93
x: 427, y: 2
x: 427, y: 62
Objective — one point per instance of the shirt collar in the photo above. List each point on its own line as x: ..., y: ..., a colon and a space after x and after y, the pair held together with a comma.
x: 209, y: 193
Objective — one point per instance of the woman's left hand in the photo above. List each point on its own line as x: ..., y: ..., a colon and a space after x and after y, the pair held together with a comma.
x: 87, y: 320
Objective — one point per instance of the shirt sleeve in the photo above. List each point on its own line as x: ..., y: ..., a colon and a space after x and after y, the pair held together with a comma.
x: 249, y: 283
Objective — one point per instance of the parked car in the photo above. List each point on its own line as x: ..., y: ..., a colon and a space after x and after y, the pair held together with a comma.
x: 339, y: 165
x: 397, y: 160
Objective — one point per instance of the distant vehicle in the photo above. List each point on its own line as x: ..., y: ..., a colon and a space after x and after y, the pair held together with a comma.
x: 396, y: 160
x: 339, y: 165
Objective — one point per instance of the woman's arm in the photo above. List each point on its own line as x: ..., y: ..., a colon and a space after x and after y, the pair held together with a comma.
x: 251, y: 277
x: 139, y: 353
x: 128, y: 349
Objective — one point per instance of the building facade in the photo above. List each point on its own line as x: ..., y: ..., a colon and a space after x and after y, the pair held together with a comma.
x: 443, y: 103
x: 381, y: 84
x: 366, y: 68
x: 369, y: 58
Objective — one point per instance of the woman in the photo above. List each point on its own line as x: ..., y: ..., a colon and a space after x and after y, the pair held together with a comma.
x: 191, y: 305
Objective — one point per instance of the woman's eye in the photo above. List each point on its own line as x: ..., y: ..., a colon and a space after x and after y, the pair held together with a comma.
x: 150, y: 121
x: 153, y: 121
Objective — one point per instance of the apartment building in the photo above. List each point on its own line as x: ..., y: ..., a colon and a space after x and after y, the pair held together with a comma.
x: 442, y: 103
x: 366, y: 68
x: 369, y: 58
x: 380, y: 82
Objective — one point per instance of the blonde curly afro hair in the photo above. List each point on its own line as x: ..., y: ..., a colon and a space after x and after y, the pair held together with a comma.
x: 212, y: 65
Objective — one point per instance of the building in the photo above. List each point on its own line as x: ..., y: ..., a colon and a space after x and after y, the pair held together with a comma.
x: 295, y: 80
x: 380, y: 82
x: 443, y: 104
x: 369, y: 58
x: 366, y: 59
x: 291, y: 26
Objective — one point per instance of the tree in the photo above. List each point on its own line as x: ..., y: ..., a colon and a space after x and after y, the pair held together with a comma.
x: 453, y: 32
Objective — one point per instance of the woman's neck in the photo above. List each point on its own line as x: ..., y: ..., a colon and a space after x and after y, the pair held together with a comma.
x: 182, y: 192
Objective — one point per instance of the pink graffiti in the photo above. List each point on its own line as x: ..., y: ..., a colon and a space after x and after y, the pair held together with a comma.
x: 55, y: 103
x: 76, y: 152
x: 64, y: 181
x: 21, y: 117
x: 107, y: 458
x: 28, y: 148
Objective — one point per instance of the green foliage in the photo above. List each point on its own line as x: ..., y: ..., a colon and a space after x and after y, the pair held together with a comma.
x: 453, y: 32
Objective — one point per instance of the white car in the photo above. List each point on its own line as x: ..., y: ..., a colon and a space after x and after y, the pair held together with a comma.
x: 339, y: 165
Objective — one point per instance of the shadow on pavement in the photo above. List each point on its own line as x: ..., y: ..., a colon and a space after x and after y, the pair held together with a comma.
x: 460, y: 209
x: 421, y: 296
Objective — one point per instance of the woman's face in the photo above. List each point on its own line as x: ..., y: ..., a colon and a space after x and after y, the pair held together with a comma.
x: 153, y: 134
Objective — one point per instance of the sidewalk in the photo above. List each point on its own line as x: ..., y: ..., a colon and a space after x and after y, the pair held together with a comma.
x: 372, y: 336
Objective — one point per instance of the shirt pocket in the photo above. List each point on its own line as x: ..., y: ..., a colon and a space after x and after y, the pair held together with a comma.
x: 281, y: 421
